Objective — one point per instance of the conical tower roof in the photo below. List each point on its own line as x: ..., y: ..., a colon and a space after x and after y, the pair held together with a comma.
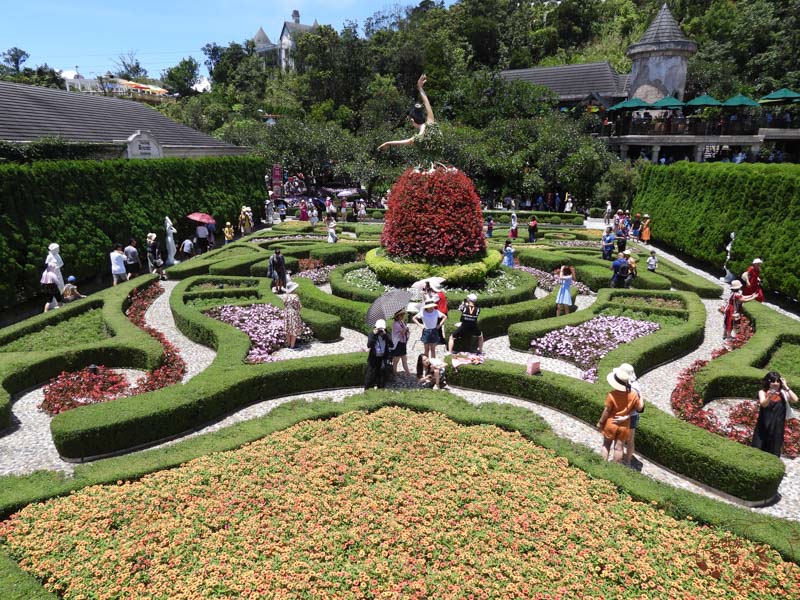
x: 260, y: 38
x: 664, y: 33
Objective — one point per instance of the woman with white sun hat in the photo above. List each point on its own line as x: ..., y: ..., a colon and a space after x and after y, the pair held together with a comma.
x: 621, y: 401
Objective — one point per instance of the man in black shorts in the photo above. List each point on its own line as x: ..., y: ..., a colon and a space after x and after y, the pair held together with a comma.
x: 469, y: 323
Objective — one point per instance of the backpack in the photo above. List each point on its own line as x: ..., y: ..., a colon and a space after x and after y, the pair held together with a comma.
x: 624, y: 270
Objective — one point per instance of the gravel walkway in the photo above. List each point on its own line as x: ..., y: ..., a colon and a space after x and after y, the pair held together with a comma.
x: 30, y: 447
x: 159, y: 316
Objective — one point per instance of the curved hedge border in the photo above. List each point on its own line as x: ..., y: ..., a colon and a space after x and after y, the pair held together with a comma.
x: 129, y: 346
x: 227, y: 384
x: 738, y: 374
x: 343, y: 289
x: 730, y: 467
x: 17, y: 492
x: 402, y: 273
x: 200, y: 265
x: 326, y: 327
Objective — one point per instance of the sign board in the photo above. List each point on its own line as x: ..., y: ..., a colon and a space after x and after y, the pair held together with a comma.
x: 143, y: 144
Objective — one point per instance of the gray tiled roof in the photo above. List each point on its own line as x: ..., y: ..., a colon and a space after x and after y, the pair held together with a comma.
x: 261, y: 38
x: 28, y: 112
x: 297, y: 27
x: 664, y: 28
x: 573, y: 82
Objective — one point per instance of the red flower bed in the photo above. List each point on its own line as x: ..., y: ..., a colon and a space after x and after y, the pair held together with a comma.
x: 688, y: 404
x: 434, y: 215
x: 70, y: 390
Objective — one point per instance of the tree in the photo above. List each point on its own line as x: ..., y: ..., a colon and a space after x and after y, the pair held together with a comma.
x: 182, y: 77
x: 128, y: 67
x: 14, y: 57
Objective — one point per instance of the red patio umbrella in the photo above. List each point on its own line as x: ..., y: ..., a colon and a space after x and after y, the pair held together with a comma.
x: 201, y: 217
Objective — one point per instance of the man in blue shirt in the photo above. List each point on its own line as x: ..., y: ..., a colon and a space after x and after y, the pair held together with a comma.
x: 608, y: 243
x: 621, y: 269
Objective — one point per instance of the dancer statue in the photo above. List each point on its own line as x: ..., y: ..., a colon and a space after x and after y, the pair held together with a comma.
x: 729, y: 276
x: 269, y: 208
x: 170, y: 241
x: 429, y: 137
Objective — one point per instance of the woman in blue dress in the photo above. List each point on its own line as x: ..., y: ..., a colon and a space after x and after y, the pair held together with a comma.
x: 566, y: 275
x: 508, y: 255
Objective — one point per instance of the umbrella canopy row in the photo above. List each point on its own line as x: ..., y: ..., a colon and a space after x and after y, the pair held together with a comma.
x: 782, y: 96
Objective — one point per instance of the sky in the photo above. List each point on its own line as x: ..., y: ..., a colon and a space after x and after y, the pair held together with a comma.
x: 91, y: 34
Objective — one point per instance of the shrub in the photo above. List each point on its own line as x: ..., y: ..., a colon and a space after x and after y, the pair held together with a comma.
x: 92, y: 204
x: 434, y: 215
x: 377, y: 215
x: 334, y: 254
x: 399, y: 273
x: 694, y: 207
x: 595, y: 213
x: 555, y: 220
x: 577, y: 220
x: 504, y: 219
x: 293, y: 227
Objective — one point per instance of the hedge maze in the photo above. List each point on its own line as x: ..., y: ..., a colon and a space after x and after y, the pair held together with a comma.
x: 236, y: 274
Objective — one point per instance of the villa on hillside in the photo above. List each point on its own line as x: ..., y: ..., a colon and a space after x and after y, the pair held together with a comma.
x: 280, y: 53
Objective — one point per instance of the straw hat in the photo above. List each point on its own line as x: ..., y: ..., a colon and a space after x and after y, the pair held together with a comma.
x: 627, y: 253
x: 430, y: 304
x: 151, y: 237
x: 619, y: 379
x: 757, y: 261
x: 736, y: 284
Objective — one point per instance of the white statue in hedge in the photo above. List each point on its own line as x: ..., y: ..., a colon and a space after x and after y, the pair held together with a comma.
x: 54, y: 261
x: 171, y: 231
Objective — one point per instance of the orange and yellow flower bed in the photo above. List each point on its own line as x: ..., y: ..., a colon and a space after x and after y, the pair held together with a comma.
x: 392, y: 504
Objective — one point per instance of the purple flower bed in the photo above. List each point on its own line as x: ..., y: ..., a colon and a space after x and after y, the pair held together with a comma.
x: 264, y: 325
x: 318, y: 276
x: 585, y: 344
x: 548, y: 281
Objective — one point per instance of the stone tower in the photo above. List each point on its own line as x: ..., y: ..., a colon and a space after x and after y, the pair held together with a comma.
x: 659, y: 60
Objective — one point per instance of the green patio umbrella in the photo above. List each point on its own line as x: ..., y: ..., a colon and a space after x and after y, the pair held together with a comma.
x: 668, y: 102
x: 740, y: 100
x: 779, y: 96
x: 632, y: 104
x: 704, y: 100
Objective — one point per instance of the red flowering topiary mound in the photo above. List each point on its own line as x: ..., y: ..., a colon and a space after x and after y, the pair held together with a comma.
x: 434, y: 215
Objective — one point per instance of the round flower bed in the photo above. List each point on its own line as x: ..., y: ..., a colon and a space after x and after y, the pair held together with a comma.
x: 264, y: 325
x: 559, y: 236
x: 648, y: 301
x: 585, y: 344
x: 434, y: 215
x: 389, y: 504
x: 70, y: 390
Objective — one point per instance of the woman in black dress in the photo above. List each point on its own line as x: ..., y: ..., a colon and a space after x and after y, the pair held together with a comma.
x: 773, y: 399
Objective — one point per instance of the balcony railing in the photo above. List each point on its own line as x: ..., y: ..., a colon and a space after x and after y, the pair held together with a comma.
x: 696, y: 126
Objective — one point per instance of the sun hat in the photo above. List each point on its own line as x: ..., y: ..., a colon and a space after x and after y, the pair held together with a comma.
x: 619, y: 379
x: 629, y: 368
x: 151, y: 236
x: 430, y: 304
x: 627, y: 253
x: 380, y: 324
x: 472, y: 297
x: 71, y: 278
x: 646, y: 216
x: 736, y: 284
x: 757, y: 261
x: 399, y: 312
x: 227, y: 223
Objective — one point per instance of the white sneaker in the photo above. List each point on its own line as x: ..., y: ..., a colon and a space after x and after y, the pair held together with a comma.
x: 436, y: 387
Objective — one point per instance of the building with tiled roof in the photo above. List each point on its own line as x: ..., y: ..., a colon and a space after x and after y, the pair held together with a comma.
x: 279, y: 53
x: 29, y: 113
x: 659, y: 69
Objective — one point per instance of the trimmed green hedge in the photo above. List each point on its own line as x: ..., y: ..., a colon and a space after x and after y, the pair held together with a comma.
x: 227, y: 384
x: 523, y: 216
x: 293, y: 227
x: 694, y: 207
x: 17, y: 492
x: 458, y: 275
x: 200, y: 265
x: 739, y: 374
x: 334, y: 254
x: 525, y: 291
x: 87, y: 206
x: 728, y: 466
x: 129, y: 346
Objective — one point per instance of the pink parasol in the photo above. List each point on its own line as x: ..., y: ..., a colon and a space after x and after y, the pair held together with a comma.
x: 201, y: 217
